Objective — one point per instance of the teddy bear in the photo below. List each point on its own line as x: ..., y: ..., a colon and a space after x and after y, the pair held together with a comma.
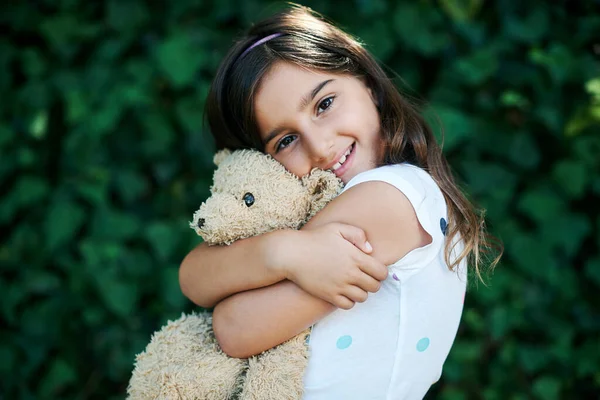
x: 251, y: 194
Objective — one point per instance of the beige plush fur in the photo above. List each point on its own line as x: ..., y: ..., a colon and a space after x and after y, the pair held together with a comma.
x: 183, y: 359
x: 281, y: 200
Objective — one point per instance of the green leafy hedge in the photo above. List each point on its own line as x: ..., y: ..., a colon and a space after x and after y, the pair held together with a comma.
x: 104, y: 159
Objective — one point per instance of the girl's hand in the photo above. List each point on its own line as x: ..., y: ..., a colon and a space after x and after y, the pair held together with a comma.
x: 331, y: 262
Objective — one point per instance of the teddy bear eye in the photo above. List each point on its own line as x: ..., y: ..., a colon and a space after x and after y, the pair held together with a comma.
x: 248, y: 199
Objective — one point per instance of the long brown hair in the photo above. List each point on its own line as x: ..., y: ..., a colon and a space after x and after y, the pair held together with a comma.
x: 309, y: 41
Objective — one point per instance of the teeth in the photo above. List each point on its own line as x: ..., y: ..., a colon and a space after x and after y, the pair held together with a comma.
x: 342, y: 159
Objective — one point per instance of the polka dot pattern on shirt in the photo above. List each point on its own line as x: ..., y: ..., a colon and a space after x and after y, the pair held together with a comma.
x: 344, y: 342
x: 423, y: 344
x: 443, y: 226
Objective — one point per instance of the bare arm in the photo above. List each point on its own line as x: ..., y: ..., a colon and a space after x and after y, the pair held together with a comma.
x: 250, y: 322
x: 253, y: 321
x: 208, y: 274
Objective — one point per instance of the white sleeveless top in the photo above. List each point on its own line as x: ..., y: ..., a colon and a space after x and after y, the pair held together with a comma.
x: 393, y: 346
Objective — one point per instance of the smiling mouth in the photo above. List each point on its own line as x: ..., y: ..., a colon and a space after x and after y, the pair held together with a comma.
x: 342, y: 159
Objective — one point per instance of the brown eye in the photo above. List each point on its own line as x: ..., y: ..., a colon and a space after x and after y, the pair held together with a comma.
x: 325, y: 104
x: 248, y: 199
x: 285, y: 142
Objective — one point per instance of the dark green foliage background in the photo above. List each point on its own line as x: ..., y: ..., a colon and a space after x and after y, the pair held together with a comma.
x: 104, y: 159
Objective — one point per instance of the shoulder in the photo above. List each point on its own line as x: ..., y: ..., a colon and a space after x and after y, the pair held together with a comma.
x: 414, y: 182
x: 382, y: 202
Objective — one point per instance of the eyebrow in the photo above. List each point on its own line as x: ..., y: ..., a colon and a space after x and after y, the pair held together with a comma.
x: 303, y: 104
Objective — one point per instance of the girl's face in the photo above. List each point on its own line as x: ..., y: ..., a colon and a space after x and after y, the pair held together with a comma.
x: 311, y: 119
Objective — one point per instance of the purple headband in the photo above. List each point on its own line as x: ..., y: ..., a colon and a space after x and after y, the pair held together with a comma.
x: 259, y: 42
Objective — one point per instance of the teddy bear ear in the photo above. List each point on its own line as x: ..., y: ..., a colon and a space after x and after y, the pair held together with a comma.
x: 322, y: 187
x: 220, y: 156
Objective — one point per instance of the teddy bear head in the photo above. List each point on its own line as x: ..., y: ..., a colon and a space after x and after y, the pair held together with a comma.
x: 253, y: 194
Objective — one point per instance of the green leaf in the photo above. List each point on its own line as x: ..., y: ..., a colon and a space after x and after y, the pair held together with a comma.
x: 451, y: 393
x: 29, y: 190
x: 131, y: 185
x: 179, y: 59
x: 586, y: 150
x: 158, y: 134
x: 95, y: 193
x: 593, y: 87
x: 486, y: 178
x: 467, y: 351
x: 582, y: 119
x: 26, y: 157
x: 142, y: 73
x: 119, y: 296
x: 547, y: 388
x: 420, y: 27
x: 541, y: 204
x: 59, y: 28
x: 13, y: 297
x: 592, y: 270
x: 524, y: 151
x: 572, y: 176
x: 62, y: 223
x: 7, y: 53
x: 532, y: 255
x: 499, y: 322
x: 93, y: 186
x: 475, y: 68
x: 114, y: 225
x: 105, y: 119
x: 126, y: 15
x: 557, y: 60
x: 531, y: 28
x: 60, y: 374
x: 189, y: 113
x: 110, y: 49
x: 35, y: 96
x: 77, y: 106
x: 33, y: 63
x: 379, y: 38
x: 163, y: 239
x: 461, y: 10
x: 41, y: 282
x: 6, y: 135
x: 171, y: 291
x: 565, y: 231
x: 455, y: 128
x: 8, y: 358
x: 511, y: 98
x: 533, y: 358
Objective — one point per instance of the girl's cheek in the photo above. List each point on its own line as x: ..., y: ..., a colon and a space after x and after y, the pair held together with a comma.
x: 293, y: 162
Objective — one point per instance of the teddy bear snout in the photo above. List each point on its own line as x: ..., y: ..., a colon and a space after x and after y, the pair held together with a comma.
x: 200, y: 223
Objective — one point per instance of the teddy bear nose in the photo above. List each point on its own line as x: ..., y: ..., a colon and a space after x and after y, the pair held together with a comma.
x: 200, y: 223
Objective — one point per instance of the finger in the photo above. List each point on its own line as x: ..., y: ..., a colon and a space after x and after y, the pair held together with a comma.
x: 356, y: 236
x: 356, y: 294
x: 343, y: 302
x: 368, y: 283
x: 373, y: 268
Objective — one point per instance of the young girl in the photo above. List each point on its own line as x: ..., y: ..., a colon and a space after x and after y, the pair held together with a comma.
x: 380, y: 273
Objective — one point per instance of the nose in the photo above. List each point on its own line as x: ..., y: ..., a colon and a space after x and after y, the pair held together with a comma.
x: 320, y: 146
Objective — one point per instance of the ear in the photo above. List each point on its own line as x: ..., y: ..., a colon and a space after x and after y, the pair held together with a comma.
x: 322, y: 187
x: 221, y: 155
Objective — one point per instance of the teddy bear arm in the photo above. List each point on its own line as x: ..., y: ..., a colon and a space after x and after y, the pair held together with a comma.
x: 183, y: 361
x: 278, y: 373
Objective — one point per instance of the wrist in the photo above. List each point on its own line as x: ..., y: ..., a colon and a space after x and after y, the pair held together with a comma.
x: 278, y: 250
